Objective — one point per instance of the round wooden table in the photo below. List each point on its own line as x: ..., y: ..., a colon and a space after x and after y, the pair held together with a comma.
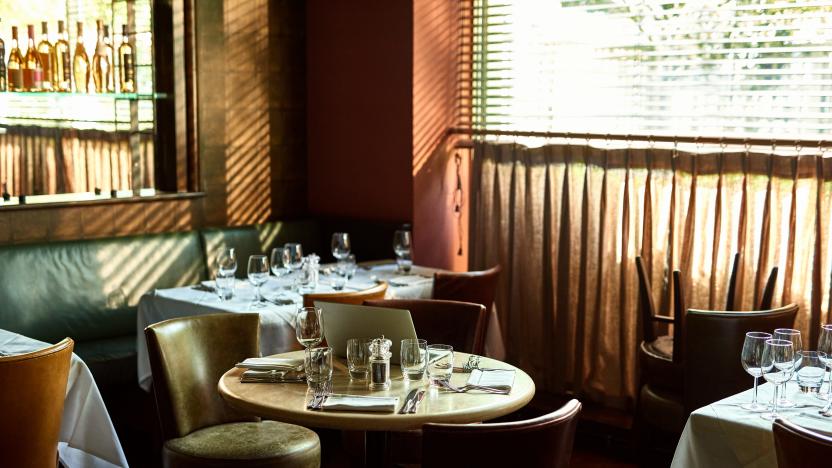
x: 287, y: 401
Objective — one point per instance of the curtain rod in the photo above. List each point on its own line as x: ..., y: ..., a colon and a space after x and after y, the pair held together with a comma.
x: 798, y: 142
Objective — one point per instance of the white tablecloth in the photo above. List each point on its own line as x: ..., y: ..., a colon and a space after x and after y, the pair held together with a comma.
x: 87, y: 437
x: 724, y: 435
x: 277, y: 331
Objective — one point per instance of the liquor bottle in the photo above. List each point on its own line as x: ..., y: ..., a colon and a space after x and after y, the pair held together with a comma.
x: 108, y: 47
x: 2, y: 64
x: 46, y: 51
x: 15, y: 65
x: 62, y: 69
x: 101, y: 65
x: 32, y: 66
x: 126, y: 56
x: 80, y: 63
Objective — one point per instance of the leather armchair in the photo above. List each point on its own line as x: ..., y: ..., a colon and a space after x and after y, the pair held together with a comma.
x: 798, y: 447
x: 187, y: 357
x: 348, y: 297
x: 31, y: 404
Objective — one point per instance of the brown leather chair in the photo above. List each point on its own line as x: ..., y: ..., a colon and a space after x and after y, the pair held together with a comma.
x: 479, y: 287
x: 348, y: 297
x: 187, y: 357
x: 798, y: 447
x: 545, y: 441
x: 31, y: 404
x: 459, y: 324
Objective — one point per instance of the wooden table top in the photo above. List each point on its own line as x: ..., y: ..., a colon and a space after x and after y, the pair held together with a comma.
x: 287, y: 401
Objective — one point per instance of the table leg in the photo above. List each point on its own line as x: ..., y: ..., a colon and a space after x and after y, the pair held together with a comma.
x: 375, y: 449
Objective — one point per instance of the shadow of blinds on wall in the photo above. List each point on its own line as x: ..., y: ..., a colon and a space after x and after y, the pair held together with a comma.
x: 729, y: 68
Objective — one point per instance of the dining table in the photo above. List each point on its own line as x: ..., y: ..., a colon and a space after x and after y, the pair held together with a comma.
x: 87, y: 437
x: 287, y: 402
x: 282, y: 299
x: 725, y: 435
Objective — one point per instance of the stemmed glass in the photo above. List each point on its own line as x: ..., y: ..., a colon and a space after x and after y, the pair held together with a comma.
x: 777, y: 365
x: 752, y: 356
x: 402, y: 247
x: 340, y: 245
x: 258, y: 273
x: 825, y: 347
x: 226, y: 269
x: 279, y: 267
x: 293, y: 257
x: 309, y: 326
x: 790, y: 334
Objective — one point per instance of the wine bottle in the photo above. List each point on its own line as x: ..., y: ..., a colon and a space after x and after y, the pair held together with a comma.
x: 2, y: 63
x: 108, y: 47
x: 127, y: 55
x: 32, y: 66
x: 81, y: 63
x: 101, y: 65
x: 62, y: 75
x: 15, y: 65
x: 46, y: 51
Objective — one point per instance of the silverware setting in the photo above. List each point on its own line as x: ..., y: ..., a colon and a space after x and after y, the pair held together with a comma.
x: 408, y: 400
x: 320, y: 396
x: 417, y: 401
x: 468, y: 387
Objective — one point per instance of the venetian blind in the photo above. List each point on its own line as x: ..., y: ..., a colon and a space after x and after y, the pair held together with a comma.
x: 714, y: 68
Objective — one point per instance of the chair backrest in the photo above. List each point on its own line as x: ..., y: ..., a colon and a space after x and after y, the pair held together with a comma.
x: 545, y: 441
x: 645, y: 302
x: 768, y: 290
x: 798, y: 447
x: 679, y: 318
x: 374, y: 293
x: 713, y: 343
x: 459, y: 324
x: 188, y: 356
x: 31, y: 404
x: 732, y: 283
x: 479, y: 287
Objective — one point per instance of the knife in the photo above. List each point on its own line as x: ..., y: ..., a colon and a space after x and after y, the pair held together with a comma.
x: 408, y: 400
x: 419, y: 398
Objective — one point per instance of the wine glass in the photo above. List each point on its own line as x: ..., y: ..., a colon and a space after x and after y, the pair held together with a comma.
x: 309, y: 326
x: 279, y: 268
x: 402, y: 248
x: 258, y: 273
x: 778, y: 365
x: 293, y: 258
x: 752, y: 356
x: 340, y: 245
x: 825, y: 347
x: 226, y: 268
x: 789, y: 334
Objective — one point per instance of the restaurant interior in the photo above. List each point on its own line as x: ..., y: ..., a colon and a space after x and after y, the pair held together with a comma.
x: 398, y: 233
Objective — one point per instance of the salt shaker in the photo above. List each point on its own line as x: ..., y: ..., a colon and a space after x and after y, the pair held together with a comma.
x: 380, y: 363
x: 311, y: 271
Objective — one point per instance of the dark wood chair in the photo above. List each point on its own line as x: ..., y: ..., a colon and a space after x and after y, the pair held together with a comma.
x: 32, y: 403
x: 459, y: 324
x: 659, y: 365
x: 545, y: 441
x: 479, y: 287
x: 733, y: 280
x: 798, y: 447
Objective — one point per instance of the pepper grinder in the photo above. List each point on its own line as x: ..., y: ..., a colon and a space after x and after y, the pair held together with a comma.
x: 380, y: 363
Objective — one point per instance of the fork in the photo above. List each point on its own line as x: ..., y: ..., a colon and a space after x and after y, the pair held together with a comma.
x: 319, y: 396
x: 465, y: 388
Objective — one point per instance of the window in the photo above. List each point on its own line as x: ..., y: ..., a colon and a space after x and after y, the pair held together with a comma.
x: 739, y: 68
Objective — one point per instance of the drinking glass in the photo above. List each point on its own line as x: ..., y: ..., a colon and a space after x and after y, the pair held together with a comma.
x: 348, y: 266
x: 402, y: 248
x: 358, y: 357
x: 340, y: 245
x: 810, y: 371
x: 279, y: 267
x: 789, y: 334
x: 440, y: 362
x: 309, y: 326
x: 317, y: 364
x: 777, y: 365
x: 752, y: 356
x: 825, y: 347
x: 293, y: 258
x: 258, y: 273
x: 413, y: 362
x: 226, y: 269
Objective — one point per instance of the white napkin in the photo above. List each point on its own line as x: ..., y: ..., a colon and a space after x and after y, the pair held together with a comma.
x: 271, y: 363
x: 500, y: 379
x: 408, y: 280
x: 337, y: 402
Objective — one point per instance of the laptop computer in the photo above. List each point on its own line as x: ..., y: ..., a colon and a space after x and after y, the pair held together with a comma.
x: 345, y: 321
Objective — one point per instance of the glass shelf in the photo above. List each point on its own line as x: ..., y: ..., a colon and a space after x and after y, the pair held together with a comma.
x: 106, y: 112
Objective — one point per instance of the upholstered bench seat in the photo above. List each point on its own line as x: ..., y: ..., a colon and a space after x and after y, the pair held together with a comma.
x: 112, y: 361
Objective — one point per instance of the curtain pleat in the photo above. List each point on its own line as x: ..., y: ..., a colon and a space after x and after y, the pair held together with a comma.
x: 567, y: 221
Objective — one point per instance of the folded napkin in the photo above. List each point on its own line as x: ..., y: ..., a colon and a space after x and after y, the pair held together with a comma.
x: 272, y: 376
x: 408, y: 280
x: 272, y: 363
x: 337, y: 402
x: 499, y: 379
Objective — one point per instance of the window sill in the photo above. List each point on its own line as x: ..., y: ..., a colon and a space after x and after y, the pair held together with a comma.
x: 91, y: 199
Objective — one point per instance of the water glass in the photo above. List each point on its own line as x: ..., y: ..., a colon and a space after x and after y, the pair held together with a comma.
x: 810, y: 371
x: 778, y: 366
x: 402, y: 245
x: 825, y: 347
x: 413, y: 358
x: 347, y: 267
x: 358, y: 357
x: 309, y: 326
x: 440, y: 363
x: 278, y: 259
x: 258, y: 273
x: 226, y: 262
x: 317, y: 365
x: 340, y: 245
x: 224, y: 283
x: 752, y: 356
x: 789, y: 334
x: 338, y: 282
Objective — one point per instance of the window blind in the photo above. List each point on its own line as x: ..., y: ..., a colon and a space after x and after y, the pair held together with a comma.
x: 742, y: 68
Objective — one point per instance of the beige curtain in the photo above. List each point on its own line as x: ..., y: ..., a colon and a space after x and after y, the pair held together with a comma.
x: 566, y: 222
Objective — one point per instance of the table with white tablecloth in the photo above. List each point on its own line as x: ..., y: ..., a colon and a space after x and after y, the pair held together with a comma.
x: 724, y: 435
x: 277, y: 333
x: 87, y: 437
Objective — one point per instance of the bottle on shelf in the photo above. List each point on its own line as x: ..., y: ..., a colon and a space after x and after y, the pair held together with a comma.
x: 101, y: 66
x: 2, y: 63
x: 126, y: 55
x: 32, y: 66
x: 62, y: 66
x: 46, y: 51
x: 15, y: 67
x: 81, y: 63
x: 108, y: 47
